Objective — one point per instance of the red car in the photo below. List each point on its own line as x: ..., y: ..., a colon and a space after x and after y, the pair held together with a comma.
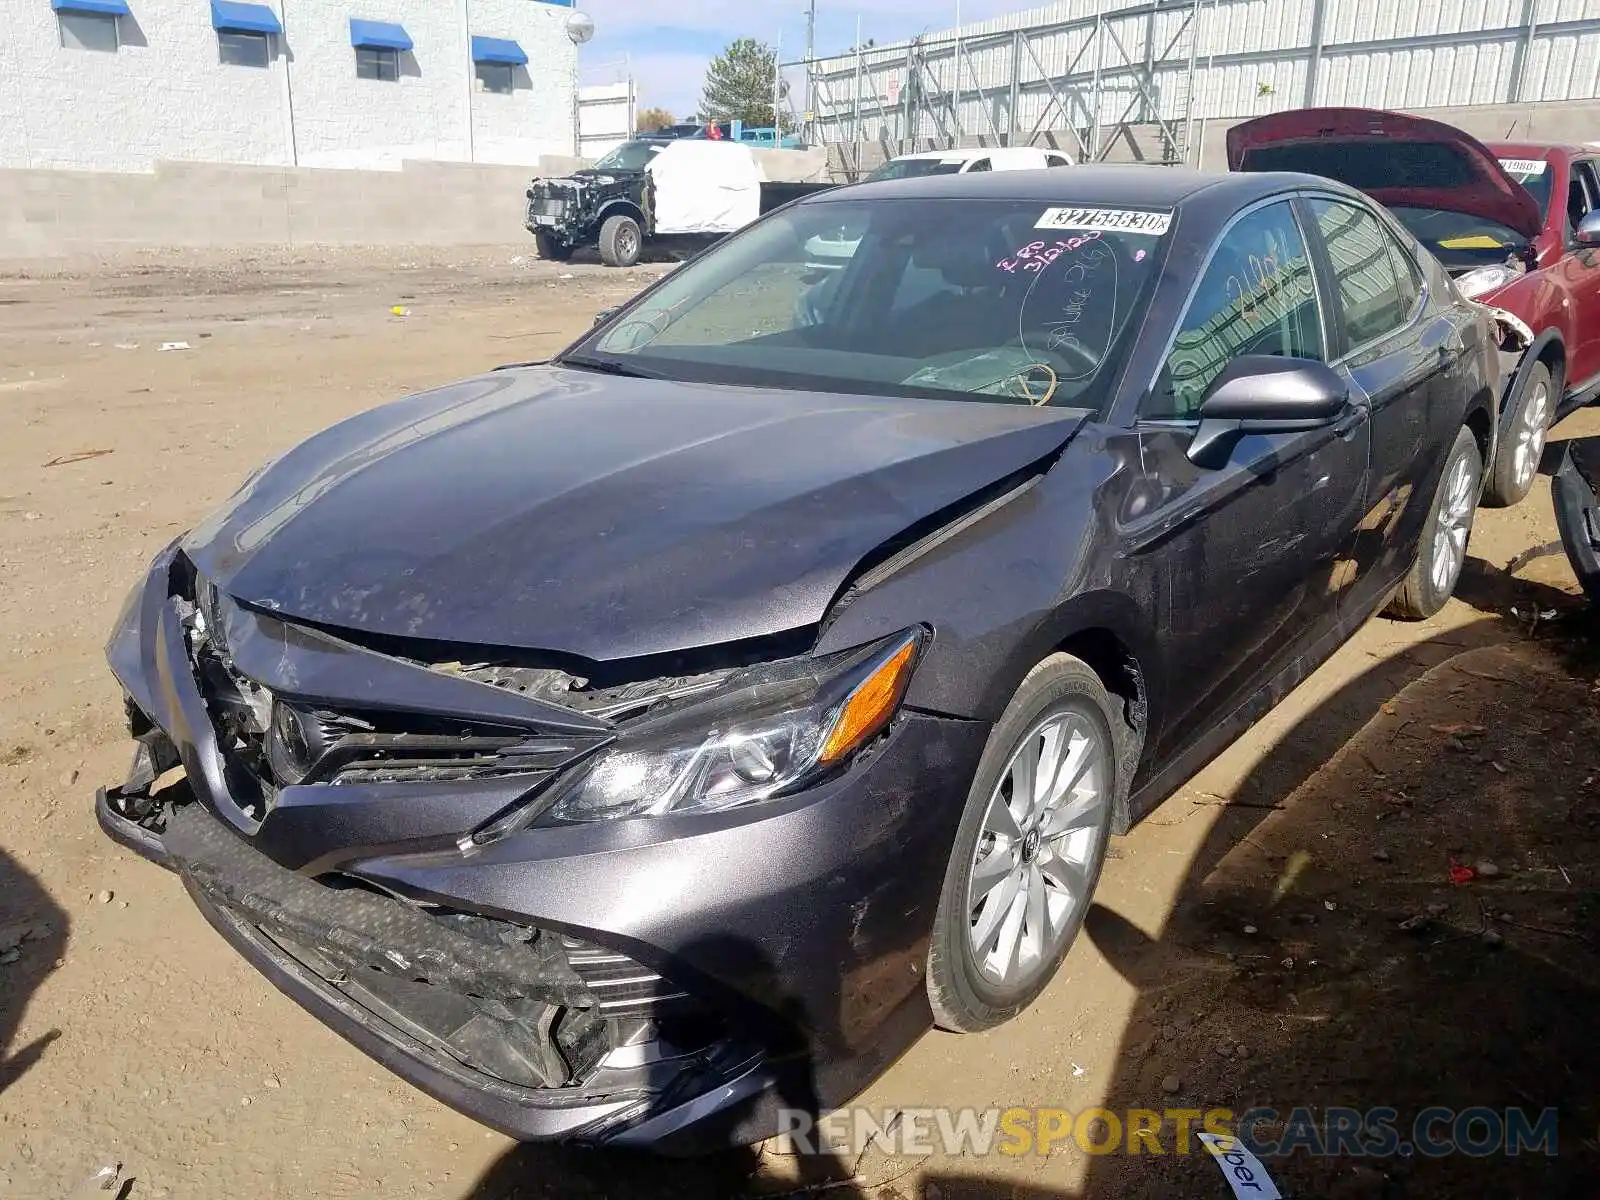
x: 1517, y: 226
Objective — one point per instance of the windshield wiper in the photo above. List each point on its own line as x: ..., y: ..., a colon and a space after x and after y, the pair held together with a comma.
x: 609, y: 366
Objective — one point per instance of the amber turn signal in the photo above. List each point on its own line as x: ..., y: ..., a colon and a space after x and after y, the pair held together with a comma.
x: 868, y: 708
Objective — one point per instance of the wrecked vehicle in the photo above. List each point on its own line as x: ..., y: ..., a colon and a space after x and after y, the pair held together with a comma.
x: 1517, y: 225
x: 1576, y: 492
x: 686, y: 192
x: 626, y: 747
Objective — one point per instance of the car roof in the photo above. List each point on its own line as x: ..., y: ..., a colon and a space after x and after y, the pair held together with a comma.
x: 1141, y: 187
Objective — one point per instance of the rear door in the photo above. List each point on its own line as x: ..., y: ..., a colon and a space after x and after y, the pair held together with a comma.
x: 1395, y: 359
x: 1247, y: 550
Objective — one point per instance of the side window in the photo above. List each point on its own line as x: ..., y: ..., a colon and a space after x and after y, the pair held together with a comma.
x: 1408, y: 276
x: 1057, y: 160
x: 1370, y: 297
x: 983, y: 164
x: 1257, y: 297
x: 1584, y: 176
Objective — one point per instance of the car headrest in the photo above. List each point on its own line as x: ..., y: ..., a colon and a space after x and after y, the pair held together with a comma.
x: 964, y: 260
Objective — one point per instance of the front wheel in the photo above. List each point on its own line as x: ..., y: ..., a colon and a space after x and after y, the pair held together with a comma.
x: 1028, y: 851
x: 552, y: 248
x: 1443, y: 551
x: 620, y: 242
x: 1517, y: 461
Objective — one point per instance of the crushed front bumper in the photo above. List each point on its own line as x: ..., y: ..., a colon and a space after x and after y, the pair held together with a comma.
x: 668, y: 983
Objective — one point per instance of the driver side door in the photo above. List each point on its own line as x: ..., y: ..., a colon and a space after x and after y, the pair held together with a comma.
x: 1249, y: 551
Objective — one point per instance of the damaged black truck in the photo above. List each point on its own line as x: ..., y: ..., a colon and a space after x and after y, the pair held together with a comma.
x: 681, y: 194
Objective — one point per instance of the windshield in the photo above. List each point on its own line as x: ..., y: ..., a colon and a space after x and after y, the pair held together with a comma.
x: 910, y: 168
x: 1533, y: 174
x: 630, y: 156
x: 1459, y: 240
x: 1003, y: 301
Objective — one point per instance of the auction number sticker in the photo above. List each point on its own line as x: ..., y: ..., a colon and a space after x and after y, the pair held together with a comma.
x: 1115, y: 220
x: 1524, y: 166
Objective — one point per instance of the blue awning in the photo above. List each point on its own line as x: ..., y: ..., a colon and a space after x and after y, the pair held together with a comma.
x: 109, y: 8
x: 498, y: 50
x: 234, y: 17
x: 379, y: 35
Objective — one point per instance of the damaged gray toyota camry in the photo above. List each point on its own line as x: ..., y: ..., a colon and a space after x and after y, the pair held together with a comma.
x: 627, y: 747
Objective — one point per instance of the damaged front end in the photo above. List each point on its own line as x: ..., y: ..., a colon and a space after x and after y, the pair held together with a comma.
x: 566, y: 212
x: 426, y: 854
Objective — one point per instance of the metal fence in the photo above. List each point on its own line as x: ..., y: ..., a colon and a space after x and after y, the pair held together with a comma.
x: 1091, y: 72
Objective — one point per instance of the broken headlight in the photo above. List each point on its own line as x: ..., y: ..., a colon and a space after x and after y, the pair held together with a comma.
x: 768, y: 731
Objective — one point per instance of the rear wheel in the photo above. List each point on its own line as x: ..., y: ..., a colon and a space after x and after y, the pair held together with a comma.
x: 1029, y: 849
x: 1443, y: 550
x: 1517, y: 461
x: 552, y: 248
x: 620, y: 242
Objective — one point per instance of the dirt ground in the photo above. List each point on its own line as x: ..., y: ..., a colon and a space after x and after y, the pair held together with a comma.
x: 1282, y: 932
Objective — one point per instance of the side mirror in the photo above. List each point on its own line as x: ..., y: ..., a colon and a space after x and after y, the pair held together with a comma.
x: 603, y: 315
x: 1259, y: 393
x: 1588, y: 230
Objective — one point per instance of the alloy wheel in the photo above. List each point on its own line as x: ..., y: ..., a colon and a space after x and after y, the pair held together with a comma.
x: 1036, y: 854
x: 1456, y: 510
x: 1531, y: 434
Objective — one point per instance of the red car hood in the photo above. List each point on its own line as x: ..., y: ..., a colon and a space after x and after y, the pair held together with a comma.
x: 1394, y: 158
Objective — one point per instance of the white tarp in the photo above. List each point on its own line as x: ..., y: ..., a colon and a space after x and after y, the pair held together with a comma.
x: 705, y: 186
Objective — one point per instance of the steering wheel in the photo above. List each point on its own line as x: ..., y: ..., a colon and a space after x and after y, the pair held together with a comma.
x: 1084, y: 361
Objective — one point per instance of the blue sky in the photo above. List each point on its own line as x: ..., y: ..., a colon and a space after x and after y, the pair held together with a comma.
x: 670, y: 45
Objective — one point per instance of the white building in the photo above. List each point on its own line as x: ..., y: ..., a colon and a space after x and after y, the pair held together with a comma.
x: 119, y: 85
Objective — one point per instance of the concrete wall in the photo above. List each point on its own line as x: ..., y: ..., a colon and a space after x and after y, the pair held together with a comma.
x: 53, y: 212
x: 164, y: 95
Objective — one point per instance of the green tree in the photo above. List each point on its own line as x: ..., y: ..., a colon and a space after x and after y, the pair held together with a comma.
x: 651, y: 119
x: 739, y: 83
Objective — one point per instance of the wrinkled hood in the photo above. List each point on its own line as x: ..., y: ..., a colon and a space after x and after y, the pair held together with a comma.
x: 561, y: 510
x: 1394, y: 158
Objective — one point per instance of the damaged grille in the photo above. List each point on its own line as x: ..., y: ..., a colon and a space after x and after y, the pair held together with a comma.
x: 268, y: 743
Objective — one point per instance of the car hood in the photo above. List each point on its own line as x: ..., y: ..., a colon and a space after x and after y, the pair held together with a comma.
x: 608, y: 518
x: 1394, y: 158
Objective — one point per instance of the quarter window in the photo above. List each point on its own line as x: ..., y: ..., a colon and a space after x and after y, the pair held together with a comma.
x: 88, y: 31
x: 983, y: 164
x: 377, y: 62
x: 1371, y: 299
x: 1257, y: 297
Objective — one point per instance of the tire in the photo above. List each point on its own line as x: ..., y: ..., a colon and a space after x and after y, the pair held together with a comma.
x: 1516, y: 463
x: 969, y: 984
x: 551, y: 248
x: 1432, y: 578
x: 620, y: 242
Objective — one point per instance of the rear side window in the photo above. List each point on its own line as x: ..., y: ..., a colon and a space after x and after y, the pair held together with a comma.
x: 1370, y: 298
x: 1057, y: 160
x: 1407, y: 275
x: 982, y: 164
x: 1256, y: 297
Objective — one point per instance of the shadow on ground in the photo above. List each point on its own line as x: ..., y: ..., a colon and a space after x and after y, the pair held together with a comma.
x: 1319, y: 955
x: 33, y: 936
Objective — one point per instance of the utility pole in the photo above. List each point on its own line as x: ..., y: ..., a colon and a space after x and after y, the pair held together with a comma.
x: 811, y: 54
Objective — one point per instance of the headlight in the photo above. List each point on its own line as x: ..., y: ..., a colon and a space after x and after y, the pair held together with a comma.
x: 766, y: 732
x: 1482, y: 280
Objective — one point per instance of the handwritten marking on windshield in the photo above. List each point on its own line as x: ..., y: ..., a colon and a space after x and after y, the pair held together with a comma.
x: 1036, y: 256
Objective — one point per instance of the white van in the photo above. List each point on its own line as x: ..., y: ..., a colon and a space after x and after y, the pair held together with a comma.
x: 960, y: 162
